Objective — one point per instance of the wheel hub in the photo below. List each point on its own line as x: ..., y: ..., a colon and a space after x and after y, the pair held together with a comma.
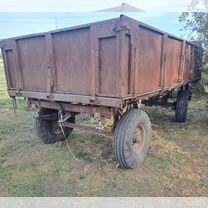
x: 56, y: 128
x: 138, y: 139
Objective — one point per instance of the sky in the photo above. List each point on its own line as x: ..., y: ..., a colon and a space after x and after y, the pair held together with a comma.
x: 20, y: 17
x: 16, y: 24
x: 90, y: 5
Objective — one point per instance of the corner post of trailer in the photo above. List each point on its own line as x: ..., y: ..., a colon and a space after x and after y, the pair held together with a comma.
x: 182, y: 61
x: 94, y: 62
x: 5, y: 63
x: 50, y: 64
x: 122, y: 29
x: 163, y: 63
x: 18, y: 66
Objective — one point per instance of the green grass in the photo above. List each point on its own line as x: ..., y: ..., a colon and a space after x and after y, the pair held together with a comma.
x: 175, y: 166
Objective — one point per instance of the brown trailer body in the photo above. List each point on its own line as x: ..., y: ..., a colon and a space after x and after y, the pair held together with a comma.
x: 100, y: 67
x: 102, y: 63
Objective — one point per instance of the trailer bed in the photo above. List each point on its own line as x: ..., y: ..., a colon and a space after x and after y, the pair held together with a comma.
x: 104, y: 63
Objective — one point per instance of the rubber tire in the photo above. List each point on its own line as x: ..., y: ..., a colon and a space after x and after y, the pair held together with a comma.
x: 43, y: 128
x: 123, y: 138
x: 181, y: 106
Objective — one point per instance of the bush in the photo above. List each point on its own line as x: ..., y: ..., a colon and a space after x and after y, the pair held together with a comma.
x: 202, y: 86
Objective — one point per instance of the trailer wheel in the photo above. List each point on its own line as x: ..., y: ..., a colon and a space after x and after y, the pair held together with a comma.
x: 49, y: 131
x: 181, y: 106
x: 133, y: 135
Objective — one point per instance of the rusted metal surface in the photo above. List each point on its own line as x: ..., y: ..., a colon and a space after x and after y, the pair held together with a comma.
x: 50, y: 117
x: 173, y: 57
x: 102, y: 64
x: 148, y: 70
x: 101, y: 101
x: 107, y: 133
x: 77, y: 108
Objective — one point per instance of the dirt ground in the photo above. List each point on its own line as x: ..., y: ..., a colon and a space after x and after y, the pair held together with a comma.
x: 177, y: 163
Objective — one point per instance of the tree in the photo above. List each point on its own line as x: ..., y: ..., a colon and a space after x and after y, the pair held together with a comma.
x: 196, y: 28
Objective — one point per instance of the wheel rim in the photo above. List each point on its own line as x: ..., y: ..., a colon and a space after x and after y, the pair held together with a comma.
x: 55, y: 128
x: 138, y: 139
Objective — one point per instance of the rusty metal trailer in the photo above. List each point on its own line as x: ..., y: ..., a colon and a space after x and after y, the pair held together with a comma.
x: 109, y: 67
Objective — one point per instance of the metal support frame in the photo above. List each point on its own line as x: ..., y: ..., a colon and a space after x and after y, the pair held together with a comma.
x: 89, y: 129
x: 76, y: 108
